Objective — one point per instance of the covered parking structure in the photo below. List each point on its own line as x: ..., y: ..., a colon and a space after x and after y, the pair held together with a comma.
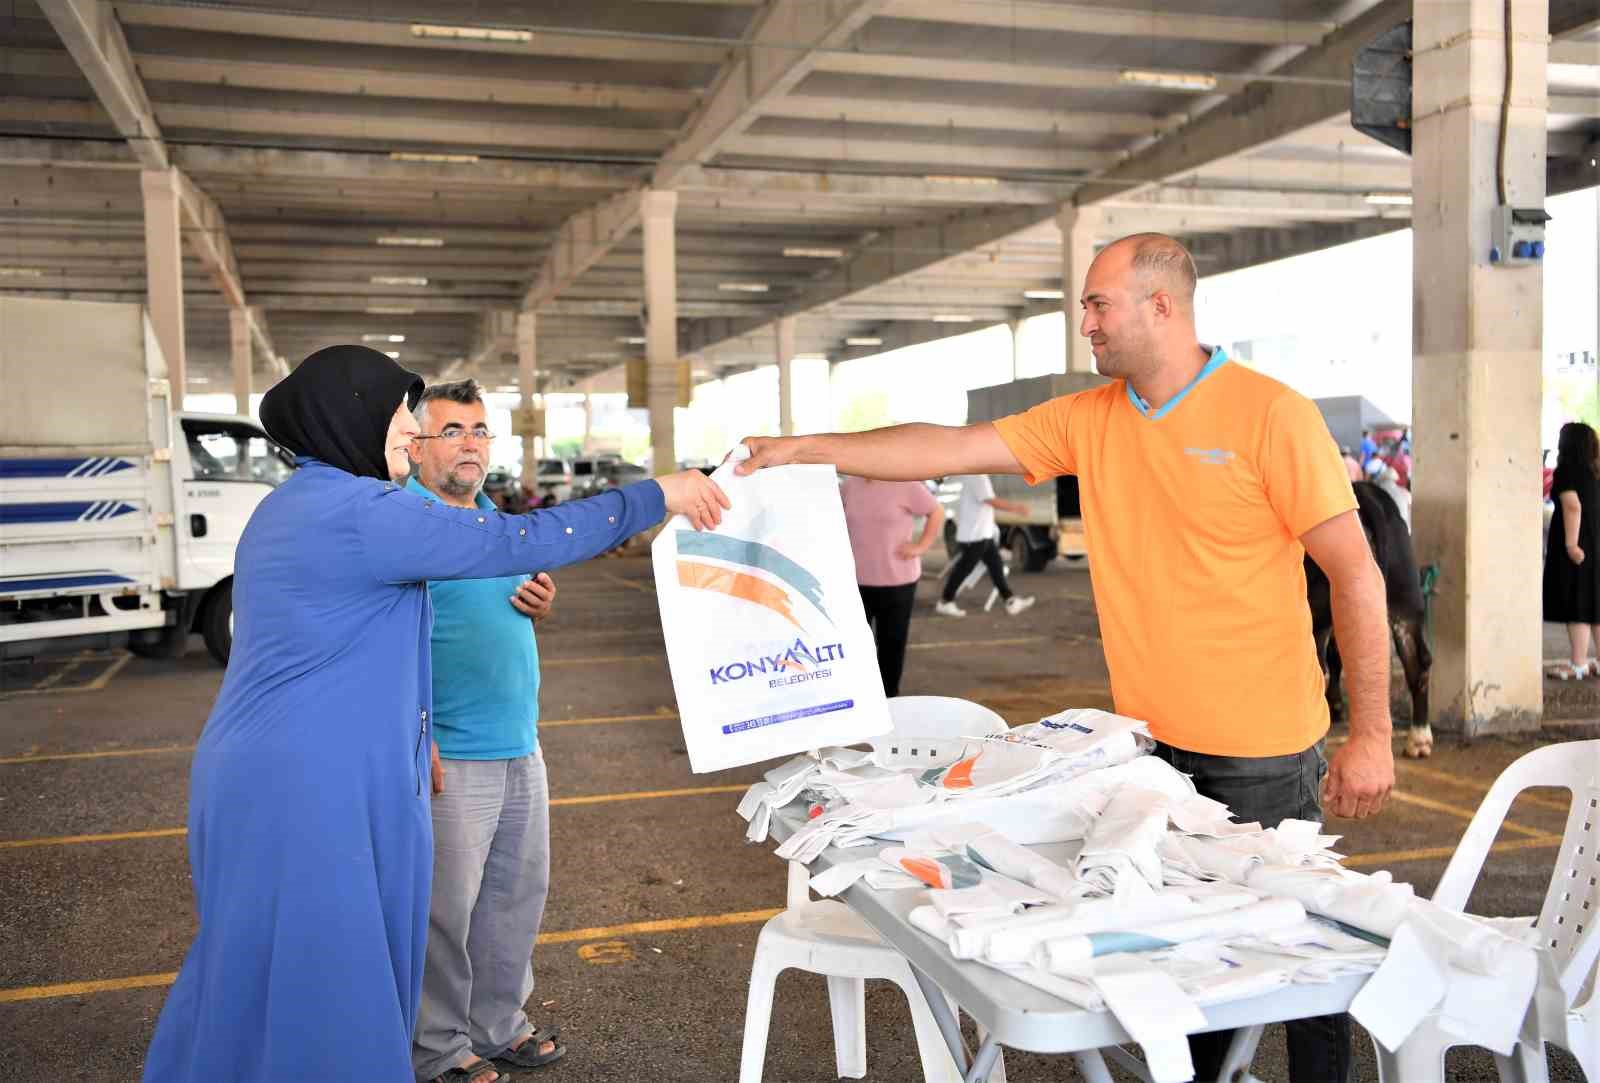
x: 537, y: 193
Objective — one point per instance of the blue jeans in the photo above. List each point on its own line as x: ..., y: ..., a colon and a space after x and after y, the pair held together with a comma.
x: 491, y: 873
x: 1270, y: 789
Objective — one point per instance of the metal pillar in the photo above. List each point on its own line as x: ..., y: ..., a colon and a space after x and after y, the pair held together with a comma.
x: 239, y: 347
x: 528, y: 384
x: 1477, y: 334
x: 1078, y: 225
x: 785, y: 336
x: 163, y: 262
x: 658, y: 210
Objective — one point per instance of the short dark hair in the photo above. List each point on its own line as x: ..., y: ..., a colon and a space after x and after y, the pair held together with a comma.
x: 466, y: 392
x: 1578, y: 448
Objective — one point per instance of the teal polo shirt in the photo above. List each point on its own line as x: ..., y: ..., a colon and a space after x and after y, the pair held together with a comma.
x: 485, y: 665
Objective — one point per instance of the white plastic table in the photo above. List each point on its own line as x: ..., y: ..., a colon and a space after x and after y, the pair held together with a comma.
x: 1016, y: 1015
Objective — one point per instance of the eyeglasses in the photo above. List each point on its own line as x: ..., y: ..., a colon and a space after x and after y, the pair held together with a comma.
x: 455, y: 434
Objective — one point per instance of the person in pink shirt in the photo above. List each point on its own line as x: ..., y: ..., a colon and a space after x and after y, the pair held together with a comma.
x: 880, y: 516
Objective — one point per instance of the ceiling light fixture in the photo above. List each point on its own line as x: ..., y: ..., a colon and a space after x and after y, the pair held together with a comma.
x: 383, y: 338
x: 1043, y: 295
x: 632, y: 340
x: 390, y: 310
x: 427, y: 156
x: 1388, y: 199
x: 399, y: 280
x: 412, y: 242
x: 813, y: 253
x: 743, y: 287
x: 21, y: 272
x: 865, y: 340
x: 1170, y: 80
x: 956, y: 178
x: 811, y: 357
x: 951, y: 317
x: 470, y: 33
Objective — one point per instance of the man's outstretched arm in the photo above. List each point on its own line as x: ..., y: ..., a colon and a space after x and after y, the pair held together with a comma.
x: 899, y: 453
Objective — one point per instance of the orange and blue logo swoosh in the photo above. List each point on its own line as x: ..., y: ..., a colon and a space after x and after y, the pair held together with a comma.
x: 735, y: 573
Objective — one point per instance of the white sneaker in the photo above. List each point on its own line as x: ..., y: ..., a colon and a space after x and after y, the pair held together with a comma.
x: 1016, y: 604
x: 949, y: 609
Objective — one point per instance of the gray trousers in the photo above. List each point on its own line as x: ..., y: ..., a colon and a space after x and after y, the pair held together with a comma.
x: 491, y: 873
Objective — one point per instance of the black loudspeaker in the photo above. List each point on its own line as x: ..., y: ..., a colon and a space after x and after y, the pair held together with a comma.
x: 1380, y: 88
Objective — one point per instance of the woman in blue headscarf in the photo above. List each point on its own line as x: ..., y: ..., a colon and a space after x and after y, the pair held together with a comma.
x: 310, y: 840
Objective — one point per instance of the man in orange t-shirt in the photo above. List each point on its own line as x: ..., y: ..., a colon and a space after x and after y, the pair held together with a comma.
x: 1203, y: 486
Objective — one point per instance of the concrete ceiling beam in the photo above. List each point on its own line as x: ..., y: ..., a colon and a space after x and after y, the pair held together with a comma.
x: 91, y: 33
x: 1110, y: 21
x: 779, y: 49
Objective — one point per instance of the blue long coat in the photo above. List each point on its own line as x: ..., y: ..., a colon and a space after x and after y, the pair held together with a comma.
x: 310, y: 841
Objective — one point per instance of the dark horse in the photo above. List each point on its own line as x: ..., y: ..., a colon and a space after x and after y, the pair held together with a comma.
x: 1391, y: 549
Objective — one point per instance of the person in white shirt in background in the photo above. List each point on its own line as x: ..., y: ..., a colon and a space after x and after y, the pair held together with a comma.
x: 975, y: 534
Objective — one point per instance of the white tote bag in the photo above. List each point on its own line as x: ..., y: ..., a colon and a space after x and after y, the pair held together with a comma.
x: 768, y: 644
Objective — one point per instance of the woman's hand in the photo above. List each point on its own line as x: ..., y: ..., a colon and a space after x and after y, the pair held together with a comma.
x: 438, y: 770
x: 1575, y: 552
x: 694, y: 495
x: 909, y: 550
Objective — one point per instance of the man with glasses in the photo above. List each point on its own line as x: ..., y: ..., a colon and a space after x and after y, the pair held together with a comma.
x: 491, y: 826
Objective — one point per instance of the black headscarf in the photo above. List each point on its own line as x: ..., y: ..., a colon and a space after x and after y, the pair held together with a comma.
x: 337, y: 405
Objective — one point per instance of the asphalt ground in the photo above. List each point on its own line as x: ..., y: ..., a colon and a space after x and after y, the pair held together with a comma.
x: 656, y: 898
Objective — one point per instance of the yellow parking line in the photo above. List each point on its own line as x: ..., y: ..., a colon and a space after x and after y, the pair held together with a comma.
x: 1454, y: 780
x: 47, y: 757
x: 939, y: 644
x: 108, y: 754
x: 1458, y: 811
x: 119, y: 836
x: 1391, y: 857
x: 172, y: 832
x: 646, y: 795
x: 80, y: 988
x: 665, y: 925
x: 148, y: 981
x: 600, y: 721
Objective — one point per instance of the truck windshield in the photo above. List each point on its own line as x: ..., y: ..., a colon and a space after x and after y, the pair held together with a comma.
x: 219, y: 451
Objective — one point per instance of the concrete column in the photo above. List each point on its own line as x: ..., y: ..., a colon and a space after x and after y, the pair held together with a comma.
x: 785, y: 336
x: 1477, y: 335
x: 1078, y: 225
x: 588, y: 421
x: 1016, y: 345
x: 658, y: 210
x: 163, y: 264
x: 239, y: 347
x: 528, y: 384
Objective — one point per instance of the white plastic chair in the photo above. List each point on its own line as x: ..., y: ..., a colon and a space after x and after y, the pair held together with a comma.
x: 828, y: 938
x: 1565, y: 926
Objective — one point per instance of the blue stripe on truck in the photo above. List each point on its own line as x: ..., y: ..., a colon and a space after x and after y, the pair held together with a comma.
x: 63, y: 582
x: 64, y: 511
x: 96, y: 467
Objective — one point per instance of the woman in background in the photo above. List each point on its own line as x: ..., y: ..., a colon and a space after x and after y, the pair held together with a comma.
x: 1571, y: 566
x: 880, y: 516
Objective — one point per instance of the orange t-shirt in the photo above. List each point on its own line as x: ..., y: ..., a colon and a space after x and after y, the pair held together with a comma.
x: 1193, y: 515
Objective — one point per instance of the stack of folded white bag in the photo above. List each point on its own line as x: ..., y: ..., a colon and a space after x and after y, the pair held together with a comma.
x: 1169, y: 905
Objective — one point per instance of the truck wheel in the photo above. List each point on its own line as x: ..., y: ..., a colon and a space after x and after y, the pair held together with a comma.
x: 1025, y: 555
x: 216, y: 621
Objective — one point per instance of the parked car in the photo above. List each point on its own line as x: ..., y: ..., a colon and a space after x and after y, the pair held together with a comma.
x: 555, y: 479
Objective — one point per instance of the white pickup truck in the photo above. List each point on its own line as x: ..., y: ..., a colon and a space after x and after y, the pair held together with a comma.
x: 1054, y: 524
x: 118, y: 518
